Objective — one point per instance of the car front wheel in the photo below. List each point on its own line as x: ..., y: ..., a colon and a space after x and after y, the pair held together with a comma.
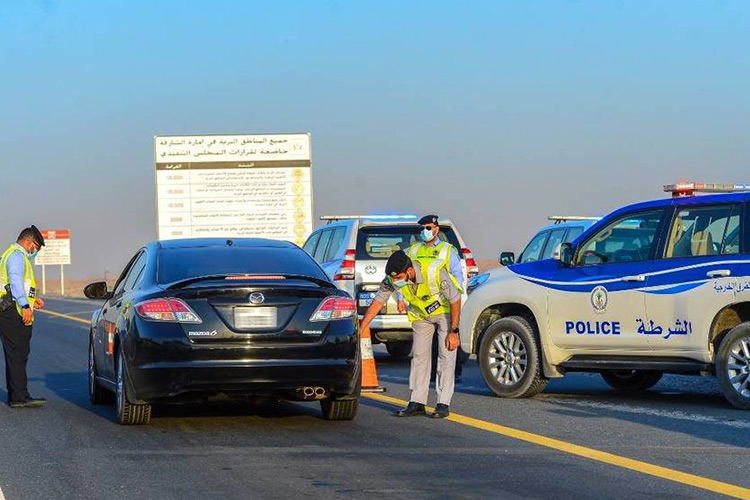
x: 128, y: 413
x: 733, y: 366
x: 510, y: 358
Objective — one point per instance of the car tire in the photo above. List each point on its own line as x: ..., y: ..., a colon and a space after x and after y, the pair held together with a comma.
x: 733, y: 366
x: 98, y: 395
x: 512, y: 370
x: 128, y: 413
x: 399, y: 350
x: 339, y: 409
x: 631, y: 380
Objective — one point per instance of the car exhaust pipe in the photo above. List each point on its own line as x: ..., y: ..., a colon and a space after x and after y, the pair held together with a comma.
x: 310, y: 393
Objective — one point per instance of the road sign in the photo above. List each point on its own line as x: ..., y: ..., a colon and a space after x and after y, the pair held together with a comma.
x: 56, y: 249
x: 234, y: 186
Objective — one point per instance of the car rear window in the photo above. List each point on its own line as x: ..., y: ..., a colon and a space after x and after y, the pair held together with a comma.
x: 380, y: 242
x: 177, y: 264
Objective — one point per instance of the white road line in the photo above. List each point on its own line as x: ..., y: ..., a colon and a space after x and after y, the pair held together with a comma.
x: 654, y: 412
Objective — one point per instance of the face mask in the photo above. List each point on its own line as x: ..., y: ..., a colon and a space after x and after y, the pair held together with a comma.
x: 426, y: 235
x: 399, y: 284
x: 33, y: 256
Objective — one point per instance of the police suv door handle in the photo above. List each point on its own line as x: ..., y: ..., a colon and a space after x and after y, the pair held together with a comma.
x: 636, y: 278
x: 719, y: 273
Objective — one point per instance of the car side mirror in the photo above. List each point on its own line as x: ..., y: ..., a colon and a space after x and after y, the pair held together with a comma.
x: 507, y: 258
x: 97, y: 291
x: 564, y: 254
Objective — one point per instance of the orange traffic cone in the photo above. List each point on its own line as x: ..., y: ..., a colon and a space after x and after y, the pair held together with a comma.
x: 369, y: 372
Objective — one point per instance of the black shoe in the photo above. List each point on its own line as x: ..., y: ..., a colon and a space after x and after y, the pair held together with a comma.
x: 28, y: 403
x: 441, y: 411
x: 412, y: 410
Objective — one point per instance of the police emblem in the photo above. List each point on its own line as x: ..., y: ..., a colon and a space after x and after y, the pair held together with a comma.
x: 599, y: 299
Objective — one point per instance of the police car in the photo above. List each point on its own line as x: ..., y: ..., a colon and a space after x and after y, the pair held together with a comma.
x: 353, y: 250
x: 652, y: 288
x: 546, y: 240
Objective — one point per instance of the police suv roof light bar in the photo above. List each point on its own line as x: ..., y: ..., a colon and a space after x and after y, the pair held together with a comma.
x: 331, y: 218
x: 565, y: 218
x: 690, y: 188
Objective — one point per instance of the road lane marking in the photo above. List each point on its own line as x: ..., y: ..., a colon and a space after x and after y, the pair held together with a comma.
x: 644, y: 410
x: 590, y: 453
x: 61, y: 315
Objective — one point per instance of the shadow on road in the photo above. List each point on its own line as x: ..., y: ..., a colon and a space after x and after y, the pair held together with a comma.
x: 72, y: 387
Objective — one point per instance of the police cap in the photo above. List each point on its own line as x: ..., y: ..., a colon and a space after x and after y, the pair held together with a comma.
x: 37, y: 235
x: 397, y: 263
x: 32, y: 233
x: 428, y: 219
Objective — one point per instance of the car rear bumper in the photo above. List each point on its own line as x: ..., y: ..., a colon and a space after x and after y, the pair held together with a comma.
x: 391, y: 327
x: 166, y: 380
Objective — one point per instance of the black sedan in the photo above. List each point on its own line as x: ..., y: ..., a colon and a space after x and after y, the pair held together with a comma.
x: 202, y: 319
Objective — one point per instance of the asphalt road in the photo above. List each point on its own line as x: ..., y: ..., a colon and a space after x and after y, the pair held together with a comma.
x: 71, y: 449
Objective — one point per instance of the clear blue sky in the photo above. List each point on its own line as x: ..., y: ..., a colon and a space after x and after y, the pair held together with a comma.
x: 496, y: 114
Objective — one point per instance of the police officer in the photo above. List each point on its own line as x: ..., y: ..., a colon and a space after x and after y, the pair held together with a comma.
x: 18, y: 299
x: 430, y: 248
x: 433, y: 302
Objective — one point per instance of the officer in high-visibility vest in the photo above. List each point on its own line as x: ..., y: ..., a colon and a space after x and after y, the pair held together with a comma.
x: 18, y: 299
x: 429, y: 248
x: 433, y: 301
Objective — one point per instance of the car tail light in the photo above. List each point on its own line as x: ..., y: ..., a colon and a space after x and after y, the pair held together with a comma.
x: 173, y: 310
x: 471, y: 265
x: 346, y: 272
x: 334, y: 308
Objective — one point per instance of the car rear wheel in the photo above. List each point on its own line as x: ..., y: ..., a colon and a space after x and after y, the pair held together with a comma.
x: 399, y: 350
x: 98, y: 395
x: 128, y: 413
x: 631, y: 380
x: 339, y: 409
x: 733, y: 366
x: 510, y: 359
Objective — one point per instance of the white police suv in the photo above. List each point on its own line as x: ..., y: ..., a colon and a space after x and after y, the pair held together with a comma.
x: 652, y: 288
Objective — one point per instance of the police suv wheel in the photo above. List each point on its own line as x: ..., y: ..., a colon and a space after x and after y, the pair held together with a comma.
x: 733, y: 366
x: 128, y: 413
x: 510, y: 359
x: 631, y: 380
x: 97, y: 394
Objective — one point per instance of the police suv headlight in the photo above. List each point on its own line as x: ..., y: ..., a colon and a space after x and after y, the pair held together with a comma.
x: 477, y: 281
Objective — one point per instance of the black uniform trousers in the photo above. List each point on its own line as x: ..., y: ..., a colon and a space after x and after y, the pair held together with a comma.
x: 16, y: 346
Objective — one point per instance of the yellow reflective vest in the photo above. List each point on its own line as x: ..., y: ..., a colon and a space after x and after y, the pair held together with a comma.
x: 435, y: 256
x: 29, y: 283
x: 425, y: 299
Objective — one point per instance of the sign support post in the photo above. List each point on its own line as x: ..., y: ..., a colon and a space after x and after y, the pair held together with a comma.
x: 62, y: 280
x: 44, y: 281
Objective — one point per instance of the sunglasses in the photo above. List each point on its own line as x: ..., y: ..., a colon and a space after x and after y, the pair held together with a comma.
x: 429, y: 228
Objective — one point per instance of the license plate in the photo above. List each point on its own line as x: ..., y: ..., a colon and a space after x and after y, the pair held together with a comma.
x: 254, y: 317
x: 365, y: 299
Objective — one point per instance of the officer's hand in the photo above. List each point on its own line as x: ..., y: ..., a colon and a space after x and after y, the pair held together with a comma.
x: 452, y: 341
x: 401, y: 306
x: 39, y: 303
x: 28, y: 316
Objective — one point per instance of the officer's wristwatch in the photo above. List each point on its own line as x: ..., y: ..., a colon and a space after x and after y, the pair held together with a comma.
x: 27, y: 306
x: 455, y: 330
